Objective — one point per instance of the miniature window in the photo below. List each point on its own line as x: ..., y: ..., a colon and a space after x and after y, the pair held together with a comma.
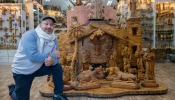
x: 134, y: 48
x: 134, y: 30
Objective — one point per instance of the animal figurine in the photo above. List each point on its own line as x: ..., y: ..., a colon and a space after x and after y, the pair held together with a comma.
x: 119, y: 75
x: 88, y: 75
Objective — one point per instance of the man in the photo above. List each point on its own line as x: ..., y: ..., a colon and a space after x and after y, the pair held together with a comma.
x: 37, y: 55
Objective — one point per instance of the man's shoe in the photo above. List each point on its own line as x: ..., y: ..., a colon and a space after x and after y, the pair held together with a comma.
x: 60, y: 97
x: 11, y: 87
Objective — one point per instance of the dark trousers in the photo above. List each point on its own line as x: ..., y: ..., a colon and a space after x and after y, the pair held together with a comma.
x: 23, y: 82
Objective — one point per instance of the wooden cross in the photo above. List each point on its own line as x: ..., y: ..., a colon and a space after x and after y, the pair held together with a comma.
x: 15, y: 30
x: 10, y: 23
x: 13, y: 15
x: 13, y: 40
x: 15, y: 10
x: 20, y: 10
x: 20, y: 35
x: 5, y: 29
x: 4, y: 10
x: 1, y: 22
x: 98, y: 42
x: 0, y: 27
x: 19, y: 21
x: 27, y: 15
x: 6, y: 36
x: 9, y: 10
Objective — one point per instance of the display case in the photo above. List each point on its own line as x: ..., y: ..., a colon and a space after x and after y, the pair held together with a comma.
x: 12, y: 26
x: 145, y: 13
x: 164, y: 35
x: 35, y: 11
x: 165, y: 25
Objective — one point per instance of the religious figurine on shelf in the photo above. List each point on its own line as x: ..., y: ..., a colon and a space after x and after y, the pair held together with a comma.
x: 90, y: 15
x: 74, y: 20
x: 116, y: 5
x: 133, y: 7
x: 79, y: 2
x: 139, y: 55
x: 123, y: 22
x: 69, y: 7
x: 100, y: 14
x: 149, y: 58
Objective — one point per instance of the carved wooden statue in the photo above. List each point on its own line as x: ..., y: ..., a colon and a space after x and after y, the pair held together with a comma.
x: 79, y: 2
x: 127, y: 65
x: 139, y: 55
x: 126, y: 53
x: 112, y: 59
x: 86, y: 60
x: 149, y: 58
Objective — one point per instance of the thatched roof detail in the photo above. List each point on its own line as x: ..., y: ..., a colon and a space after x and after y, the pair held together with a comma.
x: 111, y: 30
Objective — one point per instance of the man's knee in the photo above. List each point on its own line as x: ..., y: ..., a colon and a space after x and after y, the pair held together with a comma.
x: 57, y: 68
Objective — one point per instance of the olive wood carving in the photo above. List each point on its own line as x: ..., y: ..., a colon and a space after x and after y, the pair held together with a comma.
x: 15, y: 28
x: 6, y: 36
x: 10, y: 19
x: 79, y: 2
x: 9, y: 10
x: 5, y: 29
x: 1, y: 22
x: 20, y: 35
x: 19, y: 21
x: 4, y: 10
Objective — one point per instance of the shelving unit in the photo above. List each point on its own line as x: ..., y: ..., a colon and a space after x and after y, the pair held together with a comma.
x: 35, y: 13
x: 145, y: 12
x: 12, y: 26
x: 164, y: 35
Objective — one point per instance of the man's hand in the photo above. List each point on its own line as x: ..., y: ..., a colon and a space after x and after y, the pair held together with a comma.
x: 56, y: 52
x: 48, y: 61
